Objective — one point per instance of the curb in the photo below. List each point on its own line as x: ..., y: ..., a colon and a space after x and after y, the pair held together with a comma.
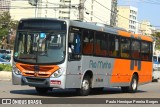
x: 5, y: 76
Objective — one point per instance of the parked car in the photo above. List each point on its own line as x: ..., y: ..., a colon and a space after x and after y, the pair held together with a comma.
x: 156, y: 68
x: 3, y: 61
x: 5, y: 56
x: 4, y: 51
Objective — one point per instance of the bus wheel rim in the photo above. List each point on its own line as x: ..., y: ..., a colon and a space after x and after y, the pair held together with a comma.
x: 85, y: 85
x: 134, y: 84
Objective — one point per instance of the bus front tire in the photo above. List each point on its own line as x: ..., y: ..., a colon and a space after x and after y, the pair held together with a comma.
x: 85, y: 86
x: 133, y: 85
x: 42, y: 90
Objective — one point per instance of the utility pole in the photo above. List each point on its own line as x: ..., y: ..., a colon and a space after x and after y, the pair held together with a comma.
x: 34, y: 3
x: 81, y: 10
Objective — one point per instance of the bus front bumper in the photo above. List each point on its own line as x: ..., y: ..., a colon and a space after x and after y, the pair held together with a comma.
x: 43, y: 82
x: 38, y: 82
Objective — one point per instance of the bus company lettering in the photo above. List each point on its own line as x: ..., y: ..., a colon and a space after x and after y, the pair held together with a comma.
x: 99, y: 64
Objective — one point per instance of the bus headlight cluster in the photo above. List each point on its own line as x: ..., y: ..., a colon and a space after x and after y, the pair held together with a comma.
x: 155, y: 69
x: 57, y: 73
x: 16, y: 70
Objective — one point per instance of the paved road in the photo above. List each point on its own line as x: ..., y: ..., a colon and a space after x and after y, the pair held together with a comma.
x: 151, y: 90
x: 7, y: 90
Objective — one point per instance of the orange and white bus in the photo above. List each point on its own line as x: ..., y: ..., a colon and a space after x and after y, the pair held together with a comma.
x: 57, y: 53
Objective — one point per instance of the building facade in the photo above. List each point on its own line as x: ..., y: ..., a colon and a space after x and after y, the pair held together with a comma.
x: 127, y: 18
x: 4, y: 6
x: 145, y: 28
x: 86, y: 10
x: 21, y: 9
x: 113, y: 19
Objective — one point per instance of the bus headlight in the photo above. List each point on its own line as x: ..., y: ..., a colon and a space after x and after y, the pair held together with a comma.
x: 155, y: 69
x: 16, y: 70
x: 57, y: 73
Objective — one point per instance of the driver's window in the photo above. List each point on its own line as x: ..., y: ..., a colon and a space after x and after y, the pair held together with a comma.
x: 74, y: 42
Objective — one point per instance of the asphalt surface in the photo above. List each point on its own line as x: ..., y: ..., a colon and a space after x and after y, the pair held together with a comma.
x: 7, y: 90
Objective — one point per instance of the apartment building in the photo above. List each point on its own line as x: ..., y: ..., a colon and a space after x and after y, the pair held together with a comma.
x: 86, y: 10
x: 145, y: 28
x: 4, y: 6
x: 21, y: 9
x: 127, y: 18
x: 113, y: 19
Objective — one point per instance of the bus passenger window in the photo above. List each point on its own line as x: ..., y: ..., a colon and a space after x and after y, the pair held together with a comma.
x: 135, y: 49
x: 100, y: 47
x: 145, y: 50
x: 88, y: 42
x: 113, y: 46
x: 75, y: 43
x: 125, y: 48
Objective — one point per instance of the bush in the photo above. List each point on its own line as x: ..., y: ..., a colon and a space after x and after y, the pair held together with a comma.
x: 5, y: 67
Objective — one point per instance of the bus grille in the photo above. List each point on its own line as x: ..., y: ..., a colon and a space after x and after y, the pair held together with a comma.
x: 31, y: 68
x: 35, y: 80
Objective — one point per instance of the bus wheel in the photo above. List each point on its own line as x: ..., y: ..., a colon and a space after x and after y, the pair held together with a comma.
x: 42, y: 90
x: 85, y: 86
x: 133, y: 85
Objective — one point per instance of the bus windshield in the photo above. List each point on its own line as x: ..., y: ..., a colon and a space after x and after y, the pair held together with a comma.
x: 40, y: 47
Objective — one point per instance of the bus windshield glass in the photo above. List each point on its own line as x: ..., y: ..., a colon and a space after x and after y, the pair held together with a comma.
x: 40, y: 47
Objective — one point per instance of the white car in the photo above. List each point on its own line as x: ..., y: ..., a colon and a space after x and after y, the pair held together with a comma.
x: 3, y: 61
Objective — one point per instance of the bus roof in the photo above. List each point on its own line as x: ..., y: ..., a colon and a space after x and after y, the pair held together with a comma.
x: 136, y: 36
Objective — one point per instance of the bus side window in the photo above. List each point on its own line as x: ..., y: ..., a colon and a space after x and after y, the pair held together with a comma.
x: 113, y: 46
x: 145, y: 50
x: 125, y: 48
x: 135, y: 49
x: 75, y: 43
x: 88, y: 42
x: 100, y: 47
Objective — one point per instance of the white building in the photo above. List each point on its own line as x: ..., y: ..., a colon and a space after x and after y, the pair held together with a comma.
x: 145, y: 28
x: 4, y: 6
x: 86, y: 10
x: 21, y: 9
x: 127, y: 18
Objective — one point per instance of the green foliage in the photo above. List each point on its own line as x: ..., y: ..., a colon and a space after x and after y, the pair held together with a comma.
x: 5, y: 67
x: 7, y: 27
x: 156, y: 36
x: 6, y: 24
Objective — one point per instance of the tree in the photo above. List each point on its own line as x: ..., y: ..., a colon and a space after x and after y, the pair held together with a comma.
x: 156, y: 36
x: 7, y: 26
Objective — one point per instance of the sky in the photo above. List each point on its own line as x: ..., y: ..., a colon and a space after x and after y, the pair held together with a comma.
x: 147, y: 10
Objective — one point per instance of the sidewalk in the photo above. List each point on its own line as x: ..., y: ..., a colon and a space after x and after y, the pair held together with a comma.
x: 5, y: 75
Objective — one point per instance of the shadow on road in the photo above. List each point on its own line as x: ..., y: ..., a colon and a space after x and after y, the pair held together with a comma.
x: 70, y: 92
